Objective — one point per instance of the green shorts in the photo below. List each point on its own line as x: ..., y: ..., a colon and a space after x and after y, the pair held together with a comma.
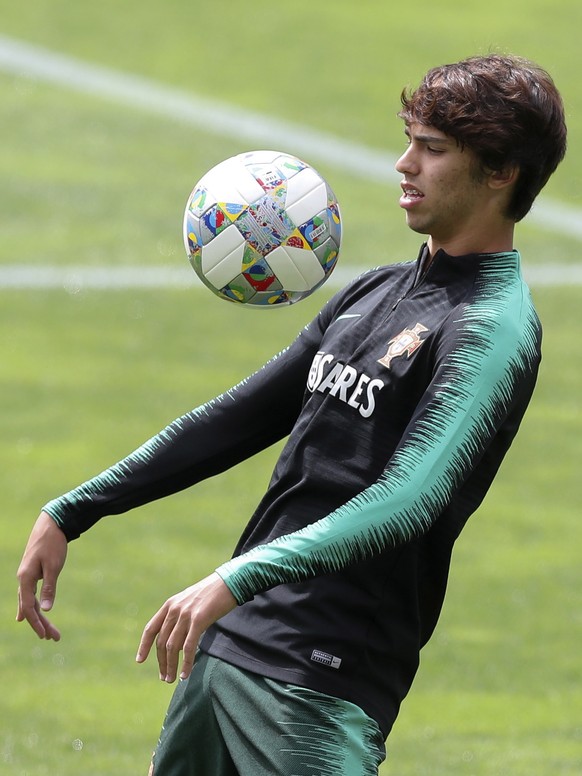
x: 224, y: 721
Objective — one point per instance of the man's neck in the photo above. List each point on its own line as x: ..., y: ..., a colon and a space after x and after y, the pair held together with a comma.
x: 494, y: 241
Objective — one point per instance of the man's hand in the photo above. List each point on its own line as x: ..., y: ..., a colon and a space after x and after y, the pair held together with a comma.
x: 44, y: 558
x: 180, y: 623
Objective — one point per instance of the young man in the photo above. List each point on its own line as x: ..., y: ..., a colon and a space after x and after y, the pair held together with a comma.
x: 399, y: 402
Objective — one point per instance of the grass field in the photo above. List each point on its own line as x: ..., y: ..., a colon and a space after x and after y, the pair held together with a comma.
x: 89, y: 181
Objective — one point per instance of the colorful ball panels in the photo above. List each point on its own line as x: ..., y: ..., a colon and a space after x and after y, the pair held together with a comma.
x: 263, y: 229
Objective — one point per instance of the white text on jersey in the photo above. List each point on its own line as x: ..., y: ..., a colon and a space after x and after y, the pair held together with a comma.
x: 344, y: 382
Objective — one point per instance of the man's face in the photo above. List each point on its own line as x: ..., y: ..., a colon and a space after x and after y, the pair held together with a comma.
x: 444, y: 195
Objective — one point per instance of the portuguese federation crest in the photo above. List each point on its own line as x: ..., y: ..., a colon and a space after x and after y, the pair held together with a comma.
x: 405, y: 343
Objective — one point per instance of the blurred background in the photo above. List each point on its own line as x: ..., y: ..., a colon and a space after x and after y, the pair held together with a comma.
x: 110, y: 113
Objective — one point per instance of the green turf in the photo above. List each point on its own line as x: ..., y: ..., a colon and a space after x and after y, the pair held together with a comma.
x: 88, y: 375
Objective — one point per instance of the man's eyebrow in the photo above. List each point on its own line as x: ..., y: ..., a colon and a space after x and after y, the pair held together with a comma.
x: 422, y: 138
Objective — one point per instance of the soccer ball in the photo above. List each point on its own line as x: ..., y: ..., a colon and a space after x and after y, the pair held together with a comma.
x: 262, y: 229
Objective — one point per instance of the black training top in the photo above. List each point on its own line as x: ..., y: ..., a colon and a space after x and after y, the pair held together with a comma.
x: 400, y: 400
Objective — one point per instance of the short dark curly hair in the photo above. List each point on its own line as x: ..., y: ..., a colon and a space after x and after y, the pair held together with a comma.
x: 505, y: 108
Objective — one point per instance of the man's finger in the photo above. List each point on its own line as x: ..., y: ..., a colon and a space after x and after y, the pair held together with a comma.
x: 149, y: 634
x: 169, y: 644
x: 169, y: 655
x: 29, y: 613
x: 48, y: 592
x: 26, y: 599
x: 28, y: 607
x: 51, y: 633
x: 43, y: 628
x: 190, y: 648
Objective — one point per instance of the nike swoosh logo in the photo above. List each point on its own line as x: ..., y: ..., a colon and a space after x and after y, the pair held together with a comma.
x: 348, y: 315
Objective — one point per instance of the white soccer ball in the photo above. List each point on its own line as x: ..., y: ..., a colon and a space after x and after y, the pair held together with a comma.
x: 262, y: 229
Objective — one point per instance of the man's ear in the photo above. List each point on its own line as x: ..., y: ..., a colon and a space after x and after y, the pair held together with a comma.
x: 499, y: 179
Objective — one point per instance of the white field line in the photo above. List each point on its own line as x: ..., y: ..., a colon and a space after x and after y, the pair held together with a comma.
x: 33, y: 62
x: 75, y: 279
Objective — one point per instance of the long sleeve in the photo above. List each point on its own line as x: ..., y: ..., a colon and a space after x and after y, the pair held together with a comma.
x: 206, y: 441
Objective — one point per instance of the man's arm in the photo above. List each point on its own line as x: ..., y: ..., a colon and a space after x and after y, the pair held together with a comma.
x: 210, y: 439
x: 249, y: 417
x: 199, y: 444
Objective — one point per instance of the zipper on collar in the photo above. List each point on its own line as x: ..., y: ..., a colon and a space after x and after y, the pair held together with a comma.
x: 419, y: 276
